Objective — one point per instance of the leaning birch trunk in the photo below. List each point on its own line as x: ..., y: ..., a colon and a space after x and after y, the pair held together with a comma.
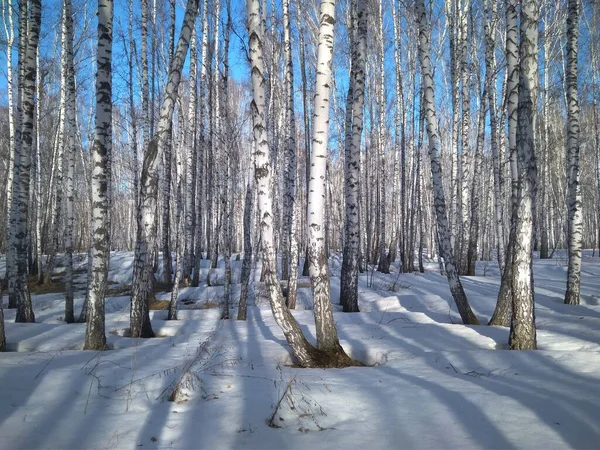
x: 95, y: 337
x: 575, y: 222
x: 17, y: 238
x: 305, y: 353
x: 456, y: 288
x: 522, y: 324
x: 502, y: 312
x: 167, y: 259
x: 349, y: 275
x: 146, y: 234
x: 69, y: 156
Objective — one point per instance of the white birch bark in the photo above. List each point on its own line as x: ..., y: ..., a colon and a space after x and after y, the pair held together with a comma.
x: 38, y: 194
x: 191, y: 166
x: 490, y: 67
x: 306, y: 354
x: 522, y: 325
x: 144, y: 82
x: 575, y: 222
x: 289, y: 167
x: 142, y: 274
x: 95, y: 337
x: 201, y: 201
x: 349, y: 275
x: 502, y: 312
x: 384, y: 262
x: 17, y: 238
x: 69, y: 156
x: 167, y: 259
x: 247, y: 263
x: 456, y: 288
x: 134, y: 127
x: 9, y: 30
x: 327, y: 339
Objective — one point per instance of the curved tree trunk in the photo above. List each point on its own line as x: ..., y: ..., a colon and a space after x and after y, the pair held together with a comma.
x: 456, y: 288
x: 502, y: 312
x: 305, y: 353
x: 146, y: 234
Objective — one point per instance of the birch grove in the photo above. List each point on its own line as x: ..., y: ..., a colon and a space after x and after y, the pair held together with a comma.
x: 260, y: 148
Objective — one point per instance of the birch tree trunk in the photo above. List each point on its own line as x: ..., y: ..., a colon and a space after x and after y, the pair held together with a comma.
x: 502, y: 312
x: 17, y: 239
x: 142, y: 272
x: 172, y: 315
x: 456, y: 288
x: 305, y: 353
x: 490, y: 66
x: 247, y: 263
x: 7, y: 16
x: 69, y: 155
x: 327, y: 339
x: 476, y: 188
x: 349, y: 275
x: 522, y: 325
x: 575, y: 222
x: 168, y: 157
x: 289, y: 198
x: 95, y: 337
x: 191, y: 167
x: 200, y: 201
x: 144, y: 82
x: 134, y: 132
x: 384, y: 262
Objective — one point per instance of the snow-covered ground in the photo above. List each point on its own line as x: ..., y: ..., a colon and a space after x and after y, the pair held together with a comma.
x: 432, y: 382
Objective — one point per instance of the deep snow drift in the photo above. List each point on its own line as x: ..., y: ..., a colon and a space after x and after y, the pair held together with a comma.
x: 433, y: 383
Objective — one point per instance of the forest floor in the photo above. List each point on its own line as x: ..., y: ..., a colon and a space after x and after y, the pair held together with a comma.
x: 432, y: 382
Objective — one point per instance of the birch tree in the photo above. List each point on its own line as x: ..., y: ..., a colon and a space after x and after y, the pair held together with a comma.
x: 69, y: 154
x: 29, y: 29
x: 305, y: 353
x: 203, y: 145
x: 349, y: 274
x: 522, y: 325
x: 9, y: 30
x: 95, y: 337
x: 502, y: 312
x: 191, y: 167
x: 575, y: 222
x: 384, y: 262
x: 290, y: 144
x: 446, y: 252
x: 146, y: 233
